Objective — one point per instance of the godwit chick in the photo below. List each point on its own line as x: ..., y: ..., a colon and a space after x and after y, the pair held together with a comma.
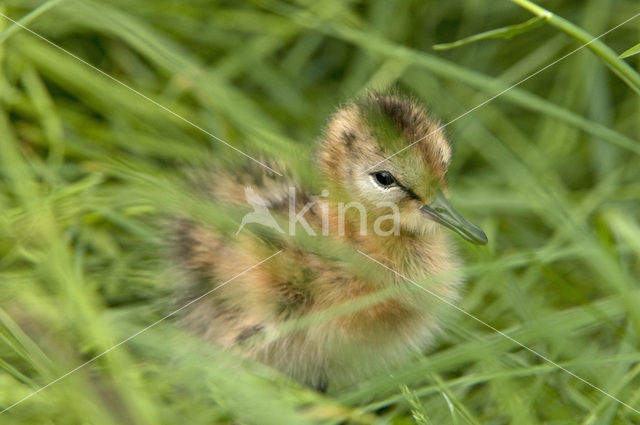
x: 394, y: 210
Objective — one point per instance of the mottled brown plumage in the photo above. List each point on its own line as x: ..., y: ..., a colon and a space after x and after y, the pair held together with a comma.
x: 248, y: 313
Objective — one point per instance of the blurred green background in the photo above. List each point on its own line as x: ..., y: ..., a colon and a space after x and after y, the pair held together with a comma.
x: 89, y: 170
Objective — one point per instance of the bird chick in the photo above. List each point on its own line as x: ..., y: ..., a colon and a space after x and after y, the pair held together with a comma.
x: 369, y: 166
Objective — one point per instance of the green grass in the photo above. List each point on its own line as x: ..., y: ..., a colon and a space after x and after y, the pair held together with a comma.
x: 89, y: 170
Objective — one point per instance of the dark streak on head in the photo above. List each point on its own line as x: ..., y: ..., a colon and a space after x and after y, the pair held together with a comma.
x: 410, y: 193
x: 416, y: 125
x: 402, y: 113
x: 349, y: 137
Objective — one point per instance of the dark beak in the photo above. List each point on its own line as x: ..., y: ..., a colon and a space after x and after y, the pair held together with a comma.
x: 441, y: 211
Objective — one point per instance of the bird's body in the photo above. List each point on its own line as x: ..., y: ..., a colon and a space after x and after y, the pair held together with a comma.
x: 298, y: 285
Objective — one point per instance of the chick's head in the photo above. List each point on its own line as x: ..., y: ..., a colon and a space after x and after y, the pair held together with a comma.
x: 384, y: 150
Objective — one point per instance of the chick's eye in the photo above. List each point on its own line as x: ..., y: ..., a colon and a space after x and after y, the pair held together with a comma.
x: 384, y: 178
